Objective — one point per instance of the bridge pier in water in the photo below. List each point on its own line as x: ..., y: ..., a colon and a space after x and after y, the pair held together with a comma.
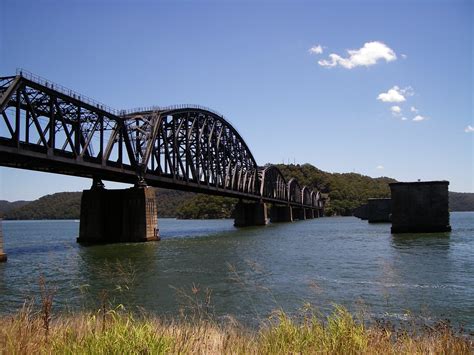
x: 118, y: 216
x: 299, y: 213
x: 281, y: 214
x: 309, y: 213
x: 250, y: 214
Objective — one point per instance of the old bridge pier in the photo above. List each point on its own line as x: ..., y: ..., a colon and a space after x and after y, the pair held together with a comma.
x: 47, y: 127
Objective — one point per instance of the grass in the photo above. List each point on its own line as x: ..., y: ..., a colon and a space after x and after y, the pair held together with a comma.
x: 119, y: 332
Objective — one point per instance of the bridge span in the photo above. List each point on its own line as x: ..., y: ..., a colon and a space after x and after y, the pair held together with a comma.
x: 47, y: 127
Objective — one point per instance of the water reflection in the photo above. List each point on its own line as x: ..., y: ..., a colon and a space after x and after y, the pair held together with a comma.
x: 434, y: 241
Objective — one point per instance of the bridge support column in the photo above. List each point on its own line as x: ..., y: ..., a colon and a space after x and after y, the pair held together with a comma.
x: 315, y: 213
x: 299, y: 213
x: 281, y: 214
x: 118, y: 216
x: 250, y: 214
x: 309, y: 214
x: 3, y: 256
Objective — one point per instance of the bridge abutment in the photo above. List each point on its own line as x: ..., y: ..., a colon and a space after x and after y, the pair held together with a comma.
x: 250, y: 214
x: 309, y: 213
x: 281, y: 214
x: 118, y: 216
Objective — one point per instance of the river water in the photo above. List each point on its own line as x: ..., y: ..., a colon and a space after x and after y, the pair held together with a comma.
x: 250, y: 271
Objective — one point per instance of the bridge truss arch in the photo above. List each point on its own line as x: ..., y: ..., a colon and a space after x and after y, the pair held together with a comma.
x: 306, y: 196
x: 294, y: 191
x: 192, y: 144
x: 272, y: 183
x: 315, y: 197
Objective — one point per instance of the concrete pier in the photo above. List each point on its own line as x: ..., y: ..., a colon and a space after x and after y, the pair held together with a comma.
x: 309, y: 213
x: 3, y: 256
x: 419, y: 207
x: 379, y: 210
x: 299, y: 213
x: 250, y: 214
x: 362, y: 212
x: 118, y: 216
x: 281, y: 214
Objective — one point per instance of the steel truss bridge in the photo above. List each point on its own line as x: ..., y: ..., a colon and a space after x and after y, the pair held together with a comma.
x: 47, y: 127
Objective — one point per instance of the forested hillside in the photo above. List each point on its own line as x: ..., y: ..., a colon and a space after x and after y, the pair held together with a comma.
x: 67, y: 205
x: 461, y: 201
x: 346, y: 192
x: 6, y: 206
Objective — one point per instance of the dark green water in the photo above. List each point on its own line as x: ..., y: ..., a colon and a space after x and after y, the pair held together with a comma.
x: 251, y: 271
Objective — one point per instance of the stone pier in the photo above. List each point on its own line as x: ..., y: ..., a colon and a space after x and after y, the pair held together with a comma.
x: 309, y: 213
x: 419, y: 207
x: 299, y: 213
x: 250, y: 214
x: 281, y: 214
x: 362, y: 212
x: 118, y: 216
x: 3, y: 256
x: 379, y: 210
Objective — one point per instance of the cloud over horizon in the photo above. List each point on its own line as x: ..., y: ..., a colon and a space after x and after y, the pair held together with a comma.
x: 369, y: 54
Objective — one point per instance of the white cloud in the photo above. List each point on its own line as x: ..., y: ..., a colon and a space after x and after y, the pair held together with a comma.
x: 419, y: 118
x: 396, y: 110
x: 380, y: 167
x: 395, y: 94
x: 316, y: 49
x: 414, y: 109
x: 368, y: 55
x: 404, y: 56
x: 404, y: 118
x: 469, y: 129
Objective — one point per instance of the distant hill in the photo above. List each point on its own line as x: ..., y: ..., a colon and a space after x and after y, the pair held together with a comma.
x: 346, y: 191
x: 6, y: 206
x: 461, y: 201
x: 67, y: 205
x: 62, y: 205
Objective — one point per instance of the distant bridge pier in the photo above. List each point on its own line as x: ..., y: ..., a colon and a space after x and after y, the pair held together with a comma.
x: 281, y: 214
x: 309, y: 213
x: 118, y: 216
x: 299, y: 213
x: 250, y: 214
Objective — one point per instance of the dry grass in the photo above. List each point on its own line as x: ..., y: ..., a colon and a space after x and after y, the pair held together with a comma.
x: 121, y: 332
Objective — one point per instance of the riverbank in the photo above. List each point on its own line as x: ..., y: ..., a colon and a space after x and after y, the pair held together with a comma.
x: 113, y: 331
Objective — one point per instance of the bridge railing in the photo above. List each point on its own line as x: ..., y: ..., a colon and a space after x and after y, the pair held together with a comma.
x: 167, y: 108
x: 58, y: 87
x: 122, y: 112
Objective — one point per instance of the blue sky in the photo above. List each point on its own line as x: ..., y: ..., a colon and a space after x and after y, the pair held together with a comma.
x: 251, y: 61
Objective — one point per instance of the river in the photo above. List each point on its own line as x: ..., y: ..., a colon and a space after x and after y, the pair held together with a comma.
x: 251, y: 271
